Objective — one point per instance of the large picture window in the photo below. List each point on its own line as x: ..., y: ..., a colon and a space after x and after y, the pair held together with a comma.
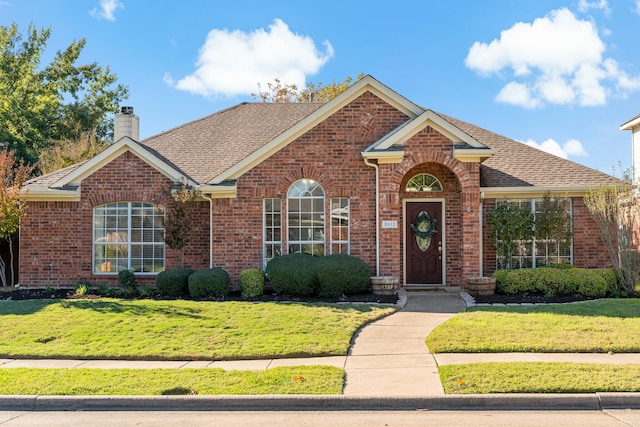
x: 306, y: 218
x: 128, y: 236
x: 537, y: 252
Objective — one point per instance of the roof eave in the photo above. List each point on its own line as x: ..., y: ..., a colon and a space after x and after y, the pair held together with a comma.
x: 635, y: 122
x: 47, y: 194
x: 467, y: 155
x: 219, y: 191
x: 384, y: 157
x: 533, y: 191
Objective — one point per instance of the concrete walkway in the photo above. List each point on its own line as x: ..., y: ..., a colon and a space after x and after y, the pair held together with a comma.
x: 390, y: 356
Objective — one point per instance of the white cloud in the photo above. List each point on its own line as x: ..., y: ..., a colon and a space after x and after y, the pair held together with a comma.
x: 637, y: 8
x: 586, y: 5
x: 234, y: 62
x: 107, y: 9
x: 572, y: 147
x: 557, y: 59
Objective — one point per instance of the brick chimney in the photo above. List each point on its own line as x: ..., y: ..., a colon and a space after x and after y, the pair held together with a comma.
x: 126, y: 124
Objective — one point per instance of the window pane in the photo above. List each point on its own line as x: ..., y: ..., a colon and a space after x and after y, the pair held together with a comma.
x: 117, y: 227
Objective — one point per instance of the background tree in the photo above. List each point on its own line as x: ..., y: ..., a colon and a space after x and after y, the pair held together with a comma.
x: 11, y: 207
x: 510, y: 224
x: 177, y: 219
x: 616, y: 210
x: 57, y: 104
x: 553, y: 222
x: 283, y: 92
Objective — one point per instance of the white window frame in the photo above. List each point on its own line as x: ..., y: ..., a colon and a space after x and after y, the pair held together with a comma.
x: 121, y: 235
x: 269, y: 224
x: 306, y: 192
x: 340, y: 207
x: 531, y: 244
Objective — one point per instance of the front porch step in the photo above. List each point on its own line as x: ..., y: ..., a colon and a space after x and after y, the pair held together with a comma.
x: 432, y: 288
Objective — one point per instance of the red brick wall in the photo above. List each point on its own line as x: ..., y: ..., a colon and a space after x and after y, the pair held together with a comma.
x: 589, y: 250
x: 56, y: 237
x: 329, y: 154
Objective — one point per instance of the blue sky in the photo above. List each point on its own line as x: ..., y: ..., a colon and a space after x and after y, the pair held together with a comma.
x: 561, y: 75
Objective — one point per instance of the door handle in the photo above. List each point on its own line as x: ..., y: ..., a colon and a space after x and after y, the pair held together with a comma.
x: 440, y: 250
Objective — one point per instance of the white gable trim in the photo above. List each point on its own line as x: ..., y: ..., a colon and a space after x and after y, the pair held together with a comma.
x: 427, y: 118
x: 366, y: 84
x: 111, y: 153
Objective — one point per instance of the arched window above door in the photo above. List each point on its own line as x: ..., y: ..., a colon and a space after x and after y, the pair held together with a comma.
x: 424, y: 182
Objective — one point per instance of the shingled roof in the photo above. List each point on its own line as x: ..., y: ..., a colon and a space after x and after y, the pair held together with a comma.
x: 207, y: 147
x: 515, y: 164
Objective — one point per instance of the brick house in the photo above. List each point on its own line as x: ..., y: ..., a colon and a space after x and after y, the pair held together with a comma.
x: 369, y: 173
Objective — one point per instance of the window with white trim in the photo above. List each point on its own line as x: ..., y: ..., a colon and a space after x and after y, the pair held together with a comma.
x: 128, y: 236
x: 537, y: 252
x: 340, y: 216
x: 424, y: 182
x: 305, y: 218
x: 272, y: 230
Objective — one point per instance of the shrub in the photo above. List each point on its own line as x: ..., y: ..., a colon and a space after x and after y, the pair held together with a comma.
x: 251, y: 283
x: 212, y: 283
x: 591, y: 283
x: 174, y: 282
x: 341, y: 274
x: 127, y: 282
x: 293, y: 274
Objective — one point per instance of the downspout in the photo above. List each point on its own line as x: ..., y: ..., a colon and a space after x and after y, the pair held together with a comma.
x: 480, y: 218
x: 375, y: 166
x: 210, y: 199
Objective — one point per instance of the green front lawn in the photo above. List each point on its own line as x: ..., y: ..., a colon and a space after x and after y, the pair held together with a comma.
x: 481, y: 378
x: 178, y: 330
x: 591, y: 326
x: 290, y: 380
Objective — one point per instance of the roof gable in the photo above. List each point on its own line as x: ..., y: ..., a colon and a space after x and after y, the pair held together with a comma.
x: 366, y: 84
x: 125, y: 144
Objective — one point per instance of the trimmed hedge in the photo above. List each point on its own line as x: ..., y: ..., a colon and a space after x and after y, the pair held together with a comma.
x: 293, y: 274
x: 174, y: 282
x: 594, y: 283
x: 212, y: 283
x: 325, y: 276
x: 127, y: 282
x: 251, y: 283
x: 342, y: 274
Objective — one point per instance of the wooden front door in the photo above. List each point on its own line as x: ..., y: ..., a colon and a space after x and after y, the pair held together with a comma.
x: 424, y: 243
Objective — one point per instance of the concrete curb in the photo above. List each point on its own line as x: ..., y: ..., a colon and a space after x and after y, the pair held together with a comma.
x: 587, y: 401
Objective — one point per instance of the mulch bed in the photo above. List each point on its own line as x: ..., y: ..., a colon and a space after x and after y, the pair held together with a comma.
x: 58, y: 293
x: 528, y: 299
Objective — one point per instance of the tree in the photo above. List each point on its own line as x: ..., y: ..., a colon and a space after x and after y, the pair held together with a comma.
x: 553, y: 222
x: 510, y: 224
x: 177, y: 220
x: 11, y: 207
x: 616, y: 210
x: 58, y: 103
x: 283, y: 92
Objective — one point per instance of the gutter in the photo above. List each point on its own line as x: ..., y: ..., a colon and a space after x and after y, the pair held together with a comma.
x: 375, y: 166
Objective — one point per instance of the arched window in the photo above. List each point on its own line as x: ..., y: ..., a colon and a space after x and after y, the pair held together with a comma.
x: 306, y: 217
x: 128, y: 236
x: 424, y: 182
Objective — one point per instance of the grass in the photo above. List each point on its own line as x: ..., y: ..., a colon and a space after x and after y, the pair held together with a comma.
x: 481, y: 378
x: 591, y: 326
x: 178, y: 330
x: 290, y: 380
